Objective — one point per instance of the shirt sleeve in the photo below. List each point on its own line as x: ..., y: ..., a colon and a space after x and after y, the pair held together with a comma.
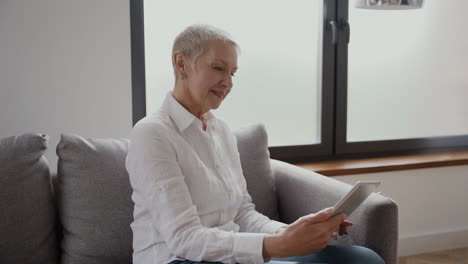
x: 250, y: 220
x: 155, y: 173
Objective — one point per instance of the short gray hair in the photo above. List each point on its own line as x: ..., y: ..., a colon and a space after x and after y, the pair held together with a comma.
x: 192, y: 41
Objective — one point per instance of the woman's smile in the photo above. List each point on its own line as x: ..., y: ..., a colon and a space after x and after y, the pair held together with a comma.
x: 218, y: 94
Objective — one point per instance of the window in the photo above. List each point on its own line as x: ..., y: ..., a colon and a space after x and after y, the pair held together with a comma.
x: 321, y: 92
x: 266, y: 48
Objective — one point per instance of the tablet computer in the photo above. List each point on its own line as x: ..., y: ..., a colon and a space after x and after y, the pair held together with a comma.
x: 360, y: 191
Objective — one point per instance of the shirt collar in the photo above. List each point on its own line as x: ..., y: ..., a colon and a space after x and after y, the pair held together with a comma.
x: 181, y: 116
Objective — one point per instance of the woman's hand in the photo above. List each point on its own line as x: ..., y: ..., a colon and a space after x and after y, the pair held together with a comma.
x: 281, y: 229
x: 308, y: 234
x: 343, y: 229
x: 344, y: 226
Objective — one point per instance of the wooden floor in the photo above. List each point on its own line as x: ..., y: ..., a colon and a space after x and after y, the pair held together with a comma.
x: 452, y: 256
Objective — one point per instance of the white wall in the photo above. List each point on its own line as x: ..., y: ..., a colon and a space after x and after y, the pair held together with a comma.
x: 432, y: 202
x: 65, y: 67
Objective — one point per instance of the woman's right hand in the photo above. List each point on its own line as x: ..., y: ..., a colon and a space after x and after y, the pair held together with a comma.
x: 308, y: 234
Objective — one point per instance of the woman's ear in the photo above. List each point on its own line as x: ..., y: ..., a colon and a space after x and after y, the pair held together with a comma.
x: 180, y: 64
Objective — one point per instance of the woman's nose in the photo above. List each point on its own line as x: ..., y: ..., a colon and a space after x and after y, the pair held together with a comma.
x: 228, y: 80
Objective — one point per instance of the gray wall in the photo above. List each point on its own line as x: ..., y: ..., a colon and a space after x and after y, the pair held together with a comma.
x: 65, y: 68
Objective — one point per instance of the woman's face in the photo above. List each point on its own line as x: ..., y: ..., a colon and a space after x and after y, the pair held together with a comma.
x: 209, y: 79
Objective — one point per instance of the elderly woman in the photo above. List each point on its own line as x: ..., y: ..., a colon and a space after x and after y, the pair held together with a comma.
x: 191, y: 201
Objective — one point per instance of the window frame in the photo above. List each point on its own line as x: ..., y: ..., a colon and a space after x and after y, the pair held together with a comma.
x: 333, y: 144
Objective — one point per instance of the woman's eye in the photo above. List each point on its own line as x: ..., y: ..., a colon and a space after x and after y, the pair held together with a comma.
x: 217, y: 68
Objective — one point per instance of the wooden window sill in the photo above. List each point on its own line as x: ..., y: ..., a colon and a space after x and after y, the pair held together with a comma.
x: 394, y: 163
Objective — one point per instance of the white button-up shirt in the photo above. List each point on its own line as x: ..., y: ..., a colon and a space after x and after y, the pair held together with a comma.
x: 189, y: 191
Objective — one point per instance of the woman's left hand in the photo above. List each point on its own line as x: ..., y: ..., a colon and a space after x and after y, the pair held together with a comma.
x: 343, y: 227
x: 281, y: 229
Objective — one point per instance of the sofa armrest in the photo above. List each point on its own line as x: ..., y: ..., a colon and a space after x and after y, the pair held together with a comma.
x: 301, y: 192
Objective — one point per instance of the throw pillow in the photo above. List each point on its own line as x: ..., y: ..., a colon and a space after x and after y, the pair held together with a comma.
x: 27, y: 216
x: 252, y: 143
x: 94, y: 200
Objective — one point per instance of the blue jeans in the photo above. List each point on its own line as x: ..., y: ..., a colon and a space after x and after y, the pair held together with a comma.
x: 331, y: 255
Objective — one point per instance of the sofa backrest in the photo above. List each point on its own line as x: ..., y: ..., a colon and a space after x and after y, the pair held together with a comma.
x: 92, y: 197
x: 94, y: 193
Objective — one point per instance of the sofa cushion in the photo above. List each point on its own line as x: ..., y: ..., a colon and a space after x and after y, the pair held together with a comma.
x: 27, y: 215
x: 252, y: 142
x: 94, y: 197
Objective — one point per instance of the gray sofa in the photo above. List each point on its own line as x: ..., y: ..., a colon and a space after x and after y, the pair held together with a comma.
x: 83, y: 213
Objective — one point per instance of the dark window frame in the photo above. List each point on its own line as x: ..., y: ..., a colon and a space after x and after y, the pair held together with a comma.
x: 333, y: 144
x: 137, y: 42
